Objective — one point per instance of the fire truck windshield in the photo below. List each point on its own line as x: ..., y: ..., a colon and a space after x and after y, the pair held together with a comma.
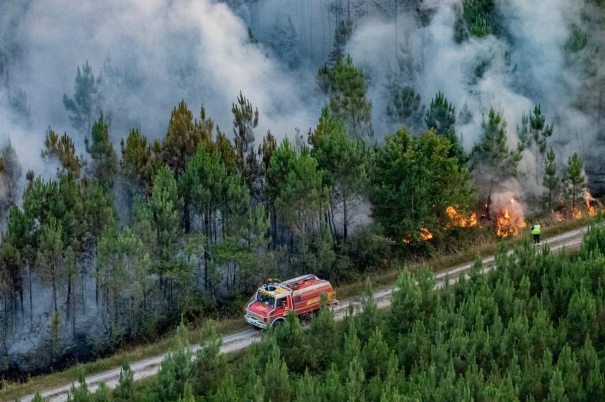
x: 266, y: 299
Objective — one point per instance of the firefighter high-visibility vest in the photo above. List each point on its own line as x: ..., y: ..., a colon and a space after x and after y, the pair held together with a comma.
x: 535, y: 229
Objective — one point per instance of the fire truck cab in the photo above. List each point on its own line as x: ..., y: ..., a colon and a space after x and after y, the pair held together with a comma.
x: 275, y: 299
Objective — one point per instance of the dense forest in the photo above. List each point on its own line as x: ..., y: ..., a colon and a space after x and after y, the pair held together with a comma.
x: 530, y: 330
x: 112, y: 233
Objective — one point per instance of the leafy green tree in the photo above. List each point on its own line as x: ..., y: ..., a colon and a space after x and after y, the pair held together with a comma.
x: 348, y: 100
x: 405, y: 305
x: 254, y: 390
x: 104, y: 159
x: 102, y: 394
x: 175, y: 369
x: 124, y: 391
x: 342, y: 34
x: 481, y: 17
x: 137, y: 162
x: 441, y: 117
x: 556, y: 390
x: 165, y: 207
x: 307, y: 389
x: 344, y: 161
x: 50, y: 257
x: 81, y: 392
x: 300, y: 192
x: 209, y: 366
x: 10, y: 174
x: 277, y: 382
x: 183, y: 138
x: 332, y: 388
x: 493, y: 155
x: 64, y: 150
x: 405, y: 106
x: 551, y: 180
x: 85, y: 104
x: 407, y: 195
x: 227, y: 391
x: 245, y: 120
x: 574, y: 179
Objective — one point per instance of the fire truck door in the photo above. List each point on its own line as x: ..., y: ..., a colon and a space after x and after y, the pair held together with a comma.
x: 281, y: 306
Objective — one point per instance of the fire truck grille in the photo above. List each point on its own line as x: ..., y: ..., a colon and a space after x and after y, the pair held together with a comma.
x: 254, y: 315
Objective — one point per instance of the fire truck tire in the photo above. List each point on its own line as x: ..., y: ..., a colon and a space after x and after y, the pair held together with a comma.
x: 277, y: 323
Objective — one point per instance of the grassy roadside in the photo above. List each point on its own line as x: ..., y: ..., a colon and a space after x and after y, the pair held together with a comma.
x: 379, y: 280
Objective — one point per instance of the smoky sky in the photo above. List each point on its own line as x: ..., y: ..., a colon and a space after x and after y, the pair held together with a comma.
x: 199, y: 51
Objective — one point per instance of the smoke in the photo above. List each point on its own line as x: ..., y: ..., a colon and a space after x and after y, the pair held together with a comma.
x: 525, y: 66
x: 155, y: 53
x: 158, y: 52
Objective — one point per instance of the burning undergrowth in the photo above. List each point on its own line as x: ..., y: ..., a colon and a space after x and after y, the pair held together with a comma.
x: 508, y: 213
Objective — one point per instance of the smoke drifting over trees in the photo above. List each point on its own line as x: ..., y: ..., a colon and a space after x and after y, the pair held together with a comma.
x: 458, y: 67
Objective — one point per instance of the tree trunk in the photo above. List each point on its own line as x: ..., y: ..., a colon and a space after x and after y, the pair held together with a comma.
x: 345, y: 221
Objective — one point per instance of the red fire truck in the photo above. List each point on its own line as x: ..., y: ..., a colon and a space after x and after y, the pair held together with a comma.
x: 274, y: 299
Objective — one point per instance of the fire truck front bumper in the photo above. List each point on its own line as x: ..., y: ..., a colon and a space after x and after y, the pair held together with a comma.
x: 255, y: 321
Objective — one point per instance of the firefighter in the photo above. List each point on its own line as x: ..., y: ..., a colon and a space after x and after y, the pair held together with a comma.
x: 535, y: 230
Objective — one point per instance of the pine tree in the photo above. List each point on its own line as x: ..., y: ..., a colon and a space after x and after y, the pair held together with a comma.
x: 188, y: 394
x: 209, y: 366
x: 254, y: 390
x: 575, y: 179
x: 227, y: 392
x: 551, y: 181
x: 348, y: 100
x: 63, y: 149
x: 85, y: 104
x: 277, y: 382
x: 493, y: 155
x: 38, y: 398
x: 79, y: 393
x: 124, y: 391
x: 307, y: 389
x: 137, y: 162
x: 104, y: 160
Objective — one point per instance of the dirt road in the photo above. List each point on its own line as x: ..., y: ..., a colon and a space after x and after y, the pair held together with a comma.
x: 149, y: 367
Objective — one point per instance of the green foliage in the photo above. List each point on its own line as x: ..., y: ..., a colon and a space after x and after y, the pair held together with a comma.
x: 348, y: 99
x: 137, y: 161
x: 85, y: 104
x: 64, y: 150
x: 441, y: 115
x: 577, y: 40
x: 481, y: 17
x: 125, y: 389
x: 406, y: 106
x: 551, y: 179
x: 574, y: 179
x: 407, y: 193
x: 493, y: 155
x: 104, y: 160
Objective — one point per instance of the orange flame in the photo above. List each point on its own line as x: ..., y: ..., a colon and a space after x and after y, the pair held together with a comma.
x: 590, y: 204
x: 460, y: 220
x: 425, y: 234
x: 508, y: 224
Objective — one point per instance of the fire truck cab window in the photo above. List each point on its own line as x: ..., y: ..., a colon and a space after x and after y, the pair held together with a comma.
x: 266, y: 299
x: 282, y: 302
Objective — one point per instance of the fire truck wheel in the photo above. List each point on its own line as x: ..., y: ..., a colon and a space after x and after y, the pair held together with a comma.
x: 278, y: 323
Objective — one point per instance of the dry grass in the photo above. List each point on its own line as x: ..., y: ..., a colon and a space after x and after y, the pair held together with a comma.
x: 380, y: 279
